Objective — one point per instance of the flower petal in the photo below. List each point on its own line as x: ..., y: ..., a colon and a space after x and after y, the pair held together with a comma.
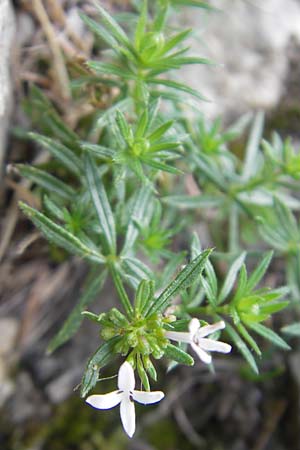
x: 194, y: 326
x: 126, y: 380
x: 178, y: 336
x: 209, y: 329
x: 205, y: 357
x: 147, y: 397
x: 214, y: 346
x: 105, y: 401
x: 127, y: 413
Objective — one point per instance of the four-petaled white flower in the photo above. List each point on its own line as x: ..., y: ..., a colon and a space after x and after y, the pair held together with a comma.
x: 196, y: 337
x: 125, y: 396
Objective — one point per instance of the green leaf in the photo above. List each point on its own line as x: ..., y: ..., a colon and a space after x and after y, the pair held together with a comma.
x: 242, y: 347
x: 286, y: 219
x: 178, y: 86
x: 99, y: 151
x: 140, y: 205
x: 175, y: 40
x: 231, y: 277
x: 184, y: 279
x: 177, y: 354
x: 137, y: 268
x: 110, y: 69
x: 160, y: 131
x: 62, y: 153
x: 248, y: 338
x: 54, y: 210
x: 193, y: 201
x: 123, y: 126
x: 142, y: 374
x: 161, y: 166
x: 141, y: 24
x: 91, y: 289
x: 47, y: 181
x: 144, y: 295
x: 100, y: 359
x: 269, y: 334
x: 252, y: 148
x: 259, y: 271
x: 114, y: 27
x: 142, y: 125
x: 101, y: 204
x: 99, y: 31
x: 293, y: 329
x: 59, y: 236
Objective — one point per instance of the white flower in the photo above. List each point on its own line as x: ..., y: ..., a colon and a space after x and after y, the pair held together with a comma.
x: 125, y: 396
x: 196, y: 337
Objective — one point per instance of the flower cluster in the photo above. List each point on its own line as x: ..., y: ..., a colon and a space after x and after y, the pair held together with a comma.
x: 126, y: 394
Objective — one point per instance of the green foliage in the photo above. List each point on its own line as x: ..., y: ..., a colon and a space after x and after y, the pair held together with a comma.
x: 117, y: 193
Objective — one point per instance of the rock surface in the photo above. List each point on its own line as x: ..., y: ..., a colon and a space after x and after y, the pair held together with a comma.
x: 250, y: 40
x: 7, y: 31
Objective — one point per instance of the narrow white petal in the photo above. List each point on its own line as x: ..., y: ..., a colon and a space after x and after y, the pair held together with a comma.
x: 178, y: 336
x: 205, y: 357
x: 209, y: 329
x: 214, y: 346
x: 147, y: 397
x: 105, y: 401
x: 194, y: 326
x: 126, y: 380
x: 127, y: 413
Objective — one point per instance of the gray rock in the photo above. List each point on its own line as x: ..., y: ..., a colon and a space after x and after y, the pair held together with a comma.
x: 249, y: 40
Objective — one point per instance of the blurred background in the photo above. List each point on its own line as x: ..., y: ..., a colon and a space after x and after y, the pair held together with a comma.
x: 257, y: 49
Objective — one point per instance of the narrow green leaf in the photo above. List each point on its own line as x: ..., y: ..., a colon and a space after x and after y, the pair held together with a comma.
x: 110, y: 69
x: 142, y: 374
x: 47, y: 181
x: 123, y: 126
x: 252, y: 149
x: 99, y: 31
x: 54, y: 210
x: 248, y: 338
x: 114, y: 27
x: 62, y: 153
x: 269, y: 334
x: 259, y: 271
x: 175, y: 40
x: 141, y: 24
x: 160, y: 131
x: 101, y: 204
x: 100, y: 359
x: 292, y: 330
x: 99, y: 151
x: 193, y: 201
x: 144, y: 294
x: 91, y: 289
x: 142, y: 125
x: 178, y: 86
x: 137, y: 268
x: 231, y: 277
x: 59, y: 236
x: 139, y: 207
x: 184, y: 279
x: 161, y: 166
x: 177, y: 354
x: 242, y: 347
x: 286, y: 219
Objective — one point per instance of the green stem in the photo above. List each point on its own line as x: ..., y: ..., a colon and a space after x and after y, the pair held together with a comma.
x: 121, y: 290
